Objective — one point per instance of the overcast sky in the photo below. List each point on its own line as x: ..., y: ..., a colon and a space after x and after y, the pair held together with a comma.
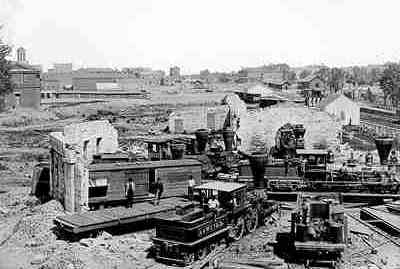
x: 196, y: 34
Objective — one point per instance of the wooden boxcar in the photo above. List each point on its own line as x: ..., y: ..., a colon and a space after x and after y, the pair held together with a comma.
x: 173, y: 173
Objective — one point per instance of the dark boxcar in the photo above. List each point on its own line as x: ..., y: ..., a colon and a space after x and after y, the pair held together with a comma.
x: 175, y: 175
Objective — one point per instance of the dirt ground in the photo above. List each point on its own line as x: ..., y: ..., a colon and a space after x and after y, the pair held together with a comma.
x: 27, y: 239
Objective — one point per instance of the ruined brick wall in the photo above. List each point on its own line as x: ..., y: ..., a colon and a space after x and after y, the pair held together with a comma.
x: 56, y: 162
x: 92, y: 137
x: 189, y: 120
x: 81, y: 186
x: 258, y: 130
x: 69, y: 156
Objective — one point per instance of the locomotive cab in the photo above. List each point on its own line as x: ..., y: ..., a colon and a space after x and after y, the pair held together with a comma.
x: 231, y: 196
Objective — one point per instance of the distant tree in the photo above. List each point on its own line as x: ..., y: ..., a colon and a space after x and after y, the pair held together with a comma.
x: 323, y: 73
x: 305, y: 73
x: 5, y: 81
x: 283, y: 67
x: 291, y: 76
x: 390, y: 83
x: 336, y: 79
x: 370, y: 96
x: 373, y: 75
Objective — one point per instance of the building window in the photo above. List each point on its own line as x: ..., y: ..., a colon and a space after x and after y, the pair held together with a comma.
x: 98, y: 143
x: 97, y: 182
x: 342, y: 115
x: 85, y: 148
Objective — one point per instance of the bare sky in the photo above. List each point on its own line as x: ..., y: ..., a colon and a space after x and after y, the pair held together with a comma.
x: 196, y: 34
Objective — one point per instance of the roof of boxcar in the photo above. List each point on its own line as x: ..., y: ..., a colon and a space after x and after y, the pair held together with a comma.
x: 221, y: 186
x: 311, y: 151
x: 143, y: 164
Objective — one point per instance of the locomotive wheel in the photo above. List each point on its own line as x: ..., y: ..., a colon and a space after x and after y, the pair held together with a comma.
x: 270, y: 219
x: 222, y: 243
x: 213, y: 246
x: 201, y: 253
x: 237, y: 229
x: 252, y: 220
x: 188, y: 257
x: 267, y: 220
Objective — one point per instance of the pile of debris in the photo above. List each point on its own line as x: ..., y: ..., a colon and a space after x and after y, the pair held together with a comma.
x: 35, y: 228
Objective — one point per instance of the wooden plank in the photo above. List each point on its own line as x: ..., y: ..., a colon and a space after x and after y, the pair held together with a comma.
x: 74, y: 219
x: 91, y: 219
x: 110, y: 217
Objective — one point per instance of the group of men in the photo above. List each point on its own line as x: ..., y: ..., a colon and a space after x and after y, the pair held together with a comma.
x: 157, y: 189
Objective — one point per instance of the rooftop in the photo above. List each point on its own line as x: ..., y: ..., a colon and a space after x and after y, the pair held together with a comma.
x: 221, y: 186
x: 332, y: 98
x: 142, y: 165
x: 309, y: 78
x: 311, y: 151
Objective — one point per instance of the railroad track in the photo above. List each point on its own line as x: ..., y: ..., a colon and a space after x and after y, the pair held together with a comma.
x: 371, y: 248
x: 381, y: 120
x: 392, y: 239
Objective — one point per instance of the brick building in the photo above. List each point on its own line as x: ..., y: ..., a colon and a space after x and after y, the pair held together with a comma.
x: 311, y: 82
x: 263, y: 73
x: 26, y: 82
x: 86, y: 79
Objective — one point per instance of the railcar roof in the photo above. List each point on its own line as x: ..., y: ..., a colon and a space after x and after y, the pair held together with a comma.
x: 143, y: 164
x: 221, y: 186
x: 311, y: 151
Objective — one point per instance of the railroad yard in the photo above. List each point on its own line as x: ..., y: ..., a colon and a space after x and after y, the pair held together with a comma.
x: 28, y: 238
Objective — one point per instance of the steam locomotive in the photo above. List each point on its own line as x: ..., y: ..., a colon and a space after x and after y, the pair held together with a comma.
x: 308, y: 170
x: 189, y: 235
x: 319, y: 231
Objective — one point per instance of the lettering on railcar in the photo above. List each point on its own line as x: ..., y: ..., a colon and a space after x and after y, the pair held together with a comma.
x: 203, y: 231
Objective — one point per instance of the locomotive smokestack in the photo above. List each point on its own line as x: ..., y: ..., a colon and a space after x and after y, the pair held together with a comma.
x: 177, y: 151
x: 202, y: 139
x: 228, y: 134
x: 299, y: 130
x: 257, y: 164
x: 384, y: 145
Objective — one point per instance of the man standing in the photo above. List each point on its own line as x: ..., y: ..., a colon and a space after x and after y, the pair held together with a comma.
x: 286, y: 163
x: 129, y: 190
x: 159, y: 189
x: 191, y: 183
